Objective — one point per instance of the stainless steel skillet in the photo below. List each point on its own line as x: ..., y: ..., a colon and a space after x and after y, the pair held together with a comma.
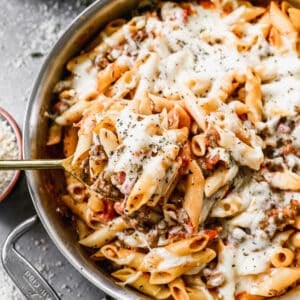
x: 44, y: 186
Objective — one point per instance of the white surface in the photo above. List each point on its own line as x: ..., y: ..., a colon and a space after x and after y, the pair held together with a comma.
x: 8, y: 291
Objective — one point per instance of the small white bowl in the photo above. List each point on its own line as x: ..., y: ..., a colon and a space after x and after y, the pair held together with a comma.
x: 4, y: 115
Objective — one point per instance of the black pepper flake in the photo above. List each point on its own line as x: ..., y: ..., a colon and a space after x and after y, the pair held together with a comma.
x: 36, y: 54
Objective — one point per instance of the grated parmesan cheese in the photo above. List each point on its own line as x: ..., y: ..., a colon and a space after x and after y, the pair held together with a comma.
x: 8, y: 150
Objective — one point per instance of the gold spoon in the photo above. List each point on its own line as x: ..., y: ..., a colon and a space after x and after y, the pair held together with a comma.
x: 66, y: 164
x: 46, y: 164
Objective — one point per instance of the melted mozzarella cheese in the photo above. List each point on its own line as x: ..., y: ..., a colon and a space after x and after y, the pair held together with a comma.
x: 143, y: 137
x: 85, y: 80
x: 205, y: 45
x: 250, y: 262
x: 252, y: 251
x: 226, y: 267
x: 195, y: 50
x: 166, y: 259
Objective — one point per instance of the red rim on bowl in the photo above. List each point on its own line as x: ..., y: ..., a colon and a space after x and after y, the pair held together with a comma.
x: 6, y: 116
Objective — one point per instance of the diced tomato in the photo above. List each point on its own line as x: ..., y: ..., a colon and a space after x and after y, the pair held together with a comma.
x: 207, y: 4
x: 211, y: 161
x: 288, y: 148
x: 187, y: 10
x: 184, y: 165
x: 119, y: 207
x: 122, y: 177
x: 185, y: 156
x: 185, y: 15
x: 246, y: 296
x: 211, y: 233
x: 243, y: 117
x: 109, y: 213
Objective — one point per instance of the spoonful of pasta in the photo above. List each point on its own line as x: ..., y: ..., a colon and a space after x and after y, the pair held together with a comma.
x: 75, y: 170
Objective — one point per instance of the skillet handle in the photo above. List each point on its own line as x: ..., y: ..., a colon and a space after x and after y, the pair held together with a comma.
x: 26, y: 277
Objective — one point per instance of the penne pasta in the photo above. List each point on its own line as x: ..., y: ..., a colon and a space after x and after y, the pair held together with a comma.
x: 188, y: 246
x: 73, y: 114
x: 104, y: 234
x: 54, y: 136
x: 198, y: 145
x: 126, y: 83
x: 246, y: 296
x: 164, y: 274
x: 269, y: 285
x: 282, y: 258
x: 295, y: 240
x: 141, y: 282
x: 294, y: 14
x: 194, y: 193
x: 253, y: 97
x: 217, y: 180
x: 178, y: 290
x: 183, y: 121
x: 190, y: 102
x: 121, y: 256
x: 70, y: 140
x: 108, y: 140
x: 279, y: 20
x: 84, y: 139
x: 110, y: 74
x: 282, y: 23
x: 285, y: 180
x: 199, y: 293
x: 228, y: 206
x: 146, y: 186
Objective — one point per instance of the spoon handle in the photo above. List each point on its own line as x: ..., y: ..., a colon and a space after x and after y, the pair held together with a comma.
x: 35, y: 164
